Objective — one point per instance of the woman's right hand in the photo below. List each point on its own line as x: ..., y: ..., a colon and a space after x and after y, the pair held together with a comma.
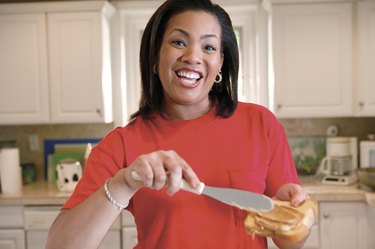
x: 158, y: 166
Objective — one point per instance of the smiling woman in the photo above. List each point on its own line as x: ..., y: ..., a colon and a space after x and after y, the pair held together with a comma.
x: 189, y: 127
x: 249, y: 22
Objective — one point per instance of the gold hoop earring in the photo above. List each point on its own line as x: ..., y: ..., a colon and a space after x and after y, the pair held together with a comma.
x: 155, y: 69
x: 219, y: 77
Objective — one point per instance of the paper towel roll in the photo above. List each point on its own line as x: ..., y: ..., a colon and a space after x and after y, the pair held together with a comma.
x: 10, y: 171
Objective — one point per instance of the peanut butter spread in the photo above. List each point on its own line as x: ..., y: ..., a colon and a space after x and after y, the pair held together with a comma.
x: 283, y: 219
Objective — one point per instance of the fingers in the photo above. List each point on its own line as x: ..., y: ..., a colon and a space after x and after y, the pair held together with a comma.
x: 293, y: 193
x: 162, y: 169
x: 298, y: 197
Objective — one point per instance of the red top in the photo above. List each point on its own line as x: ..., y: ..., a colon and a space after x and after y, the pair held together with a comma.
x: 247, y: 151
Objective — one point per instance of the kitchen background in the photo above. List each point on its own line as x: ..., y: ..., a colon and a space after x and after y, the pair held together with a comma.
x: 250, y: 24
x: 358, y: 127
x: 68, y: 70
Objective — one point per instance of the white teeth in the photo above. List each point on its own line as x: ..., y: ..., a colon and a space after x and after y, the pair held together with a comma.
x: 189, y: 81
x: 189, y: 75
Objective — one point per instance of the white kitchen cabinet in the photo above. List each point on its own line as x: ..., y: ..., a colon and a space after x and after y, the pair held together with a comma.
x: 12, y: 235
x: 23, y: 69
x: 343, y: 225
x: 365, y: 101
x: 12, y: 239
x: 79, y: 68
x: 312, y: 44
x: 55, y: 64
x: 129, y: 230
x: 38, y: 220
x: 371, y: 225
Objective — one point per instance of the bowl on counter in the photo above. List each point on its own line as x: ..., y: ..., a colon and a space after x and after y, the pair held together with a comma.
x: 366, y: 176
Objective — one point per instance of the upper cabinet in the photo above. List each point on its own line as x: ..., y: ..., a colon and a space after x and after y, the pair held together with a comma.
x: 56, y: 65
x: 365, y: 101
x: 313, y: 60
x: 79, y: 68
x: 23, y: 69
x: 323, y: 58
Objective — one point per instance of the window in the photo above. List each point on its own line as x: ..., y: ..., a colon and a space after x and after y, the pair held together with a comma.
x: 250, y: 24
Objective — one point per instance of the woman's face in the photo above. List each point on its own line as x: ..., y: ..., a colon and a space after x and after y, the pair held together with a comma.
x: 189, y: 59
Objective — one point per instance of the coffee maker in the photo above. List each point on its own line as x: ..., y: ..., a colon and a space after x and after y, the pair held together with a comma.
x: 341, y: 161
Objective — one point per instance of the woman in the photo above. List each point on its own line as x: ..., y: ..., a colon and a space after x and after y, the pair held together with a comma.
x: 189, y: 125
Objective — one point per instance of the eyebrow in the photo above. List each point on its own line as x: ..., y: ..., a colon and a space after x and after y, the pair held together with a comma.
x: 202, y: 37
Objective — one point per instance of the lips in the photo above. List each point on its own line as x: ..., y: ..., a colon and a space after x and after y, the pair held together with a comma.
x: 188, y: 78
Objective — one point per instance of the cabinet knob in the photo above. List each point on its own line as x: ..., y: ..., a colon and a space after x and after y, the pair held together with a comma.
x: 326, y: 216
x: 98, y: 111
x: 361, y: 104
x: 279, y: 106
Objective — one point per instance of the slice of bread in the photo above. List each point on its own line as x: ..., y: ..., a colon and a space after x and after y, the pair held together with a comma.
x: 283, y: 221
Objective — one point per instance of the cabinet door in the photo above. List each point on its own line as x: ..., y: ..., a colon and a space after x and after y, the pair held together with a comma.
x: 371, y: 225
x: 129, y: 230
x: 23, y: 69
x: 12, y: 239
x: 129, y: 237
x: 365, y: 104
x: 312, y: 46
x: 343, y: 225
x: 11, y: 216
x: 78, y: 83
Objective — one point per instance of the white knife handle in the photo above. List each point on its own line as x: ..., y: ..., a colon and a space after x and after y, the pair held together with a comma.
x: 184, y: 185
x: 136, y: 176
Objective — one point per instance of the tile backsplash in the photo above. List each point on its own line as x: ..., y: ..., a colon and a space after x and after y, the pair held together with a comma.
x: 21, y: 134
x: 358, y: 127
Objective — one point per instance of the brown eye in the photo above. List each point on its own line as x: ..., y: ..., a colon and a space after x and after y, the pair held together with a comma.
x: 178, y: 43
x: 209, y: 48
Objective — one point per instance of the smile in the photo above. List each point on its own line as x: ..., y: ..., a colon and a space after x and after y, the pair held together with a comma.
x: 188, y: 78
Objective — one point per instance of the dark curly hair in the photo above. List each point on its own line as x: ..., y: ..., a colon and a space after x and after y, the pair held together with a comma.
x: 224, y: 94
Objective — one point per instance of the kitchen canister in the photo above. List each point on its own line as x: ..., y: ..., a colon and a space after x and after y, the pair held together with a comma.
x: 28, y: 173
x: 68, y: 174
x: 10, y: 171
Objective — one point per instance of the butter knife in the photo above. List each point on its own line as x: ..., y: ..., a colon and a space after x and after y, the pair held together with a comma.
x: 235, y: 197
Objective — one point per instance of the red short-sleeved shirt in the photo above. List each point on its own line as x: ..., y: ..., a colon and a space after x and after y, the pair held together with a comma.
x: 247, y: 151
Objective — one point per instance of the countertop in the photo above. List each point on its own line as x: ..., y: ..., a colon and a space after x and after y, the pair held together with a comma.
x: 42, y: 193
x: 39, y: 193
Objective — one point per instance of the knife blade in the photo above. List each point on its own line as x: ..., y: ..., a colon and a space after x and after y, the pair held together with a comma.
x: 235, y: 197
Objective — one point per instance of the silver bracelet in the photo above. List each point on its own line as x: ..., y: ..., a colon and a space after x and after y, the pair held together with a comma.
x: 110, y: 198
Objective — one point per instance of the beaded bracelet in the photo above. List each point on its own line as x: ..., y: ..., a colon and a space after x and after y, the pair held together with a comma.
x: 110, y: 198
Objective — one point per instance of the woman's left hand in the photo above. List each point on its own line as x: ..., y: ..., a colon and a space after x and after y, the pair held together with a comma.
x: 291, y: 192
x: 296, y: 195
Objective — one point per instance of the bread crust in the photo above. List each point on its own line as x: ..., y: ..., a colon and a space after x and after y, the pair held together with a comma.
x: 283, y: 221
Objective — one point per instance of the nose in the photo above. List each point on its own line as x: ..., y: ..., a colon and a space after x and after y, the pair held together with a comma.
x: 192, y: 55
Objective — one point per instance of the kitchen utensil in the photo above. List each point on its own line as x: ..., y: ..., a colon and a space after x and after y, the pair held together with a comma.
x: 341, y: 161
x: 68, y: 174
x: 338, y: 166
x: 234, y: 197
x: 366, y: 176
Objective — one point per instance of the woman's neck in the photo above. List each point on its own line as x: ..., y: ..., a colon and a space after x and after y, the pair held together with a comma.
x: 185, y: 112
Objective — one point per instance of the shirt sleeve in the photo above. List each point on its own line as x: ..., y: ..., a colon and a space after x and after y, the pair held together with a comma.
x: 282, y: 169
x: 105, y: 159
